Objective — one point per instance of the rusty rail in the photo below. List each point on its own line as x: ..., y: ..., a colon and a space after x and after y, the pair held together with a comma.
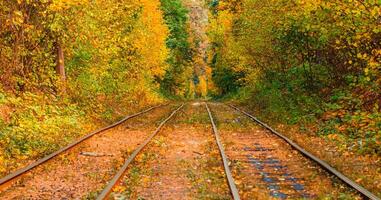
x: 322, y: 163
x: 229, y: 177
x: 7, y: 179
x: 107, y: 190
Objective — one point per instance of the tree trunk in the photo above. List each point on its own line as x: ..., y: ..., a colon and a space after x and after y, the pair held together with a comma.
x: 60, y: 67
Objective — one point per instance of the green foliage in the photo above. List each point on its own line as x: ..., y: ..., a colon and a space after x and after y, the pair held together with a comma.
x: 175, y: 81
x: 226, y: 79
x: 41, y: 125
x: 2, y: 98
x: 359, y: 129
x: 175, y: 15
x: 304, y: 61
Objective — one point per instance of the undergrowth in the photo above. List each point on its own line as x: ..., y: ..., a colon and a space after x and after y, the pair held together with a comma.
x: 33, y: 125
x: 339, y: 116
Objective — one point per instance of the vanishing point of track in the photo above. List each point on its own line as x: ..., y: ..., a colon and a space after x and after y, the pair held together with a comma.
x: 233, y: 189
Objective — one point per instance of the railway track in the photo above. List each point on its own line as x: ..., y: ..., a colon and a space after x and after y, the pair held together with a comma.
x: 233, y: 188
x: 234, y: 192
x: 7, y: 180
x: 230, y: 180
x: 361, y: 190
x: 108, y: 189
x: 177, y: 163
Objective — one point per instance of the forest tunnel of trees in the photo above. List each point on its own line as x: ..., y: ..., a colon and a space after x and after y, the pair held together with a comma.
x: 68, y: 66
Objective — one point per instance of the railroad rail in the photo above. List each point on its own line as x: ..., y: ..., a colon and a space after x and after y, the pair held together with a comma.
x: 310, y: 156
x: 9, y: 178
x: 229, y: 177
x: 107, y: 190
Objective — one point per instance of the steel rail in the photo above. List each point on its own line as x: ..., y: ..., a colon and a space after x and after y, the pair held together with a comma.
x: 107, y: 190
x: 366, y: 193
x: 7, y: 179
x: 229, y: 177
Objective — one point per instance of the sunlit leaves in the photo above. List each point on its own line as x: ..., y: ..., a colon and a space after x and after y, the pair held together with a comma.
x: 114, y: 53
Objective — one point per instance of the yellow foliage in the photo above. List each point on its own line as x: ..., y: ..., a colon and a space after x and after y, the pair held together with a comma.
x: 192, y: 90
x: 152, y: 38
x: 114, y: 51
x: 60, y: 5
x: 203, y: 87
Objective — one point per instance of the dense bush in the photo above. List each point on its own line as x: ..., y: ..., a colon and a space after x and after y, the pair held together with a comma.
x: 304, y: 60
x: 175, y: 81
x: 111, y: 67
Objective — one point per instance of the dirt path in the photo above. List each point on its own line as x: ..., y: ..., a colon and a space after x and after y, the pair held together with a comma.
x: 265, y: 167
x: 82, y: 171
x: 182, y: 163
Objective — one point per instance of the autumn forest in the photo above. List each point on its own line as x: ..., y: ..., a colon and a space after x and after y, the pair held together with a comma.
x: 309, y: 68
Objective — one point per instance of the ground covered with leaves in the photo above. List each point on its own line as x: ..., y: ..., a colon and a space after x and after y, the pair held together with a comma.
x: 90, y: 165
